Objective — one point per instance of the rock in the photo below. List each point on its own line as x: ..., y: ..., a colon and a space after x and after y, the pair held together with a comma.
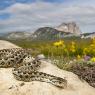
x: 74, y: 85
x: 70, y: 27
x: 6, y: 44
x: 40, y: 57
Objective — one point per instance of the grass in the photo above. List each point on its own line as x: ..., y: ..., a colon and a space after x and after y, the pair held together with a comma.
x: 47, y: 47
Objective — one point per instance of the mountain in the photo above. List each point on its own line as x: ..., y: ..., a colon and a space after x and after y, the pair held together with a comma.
x: 88, y: 35
x: 18, y: 35
x: 64, y: 30
x: 44, y: 33
x: 70, y: 27
x: 48, y: 33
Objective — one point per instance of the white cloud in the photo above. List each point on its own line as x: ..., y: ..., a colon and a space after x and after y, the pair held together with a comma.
x: 38, y: 14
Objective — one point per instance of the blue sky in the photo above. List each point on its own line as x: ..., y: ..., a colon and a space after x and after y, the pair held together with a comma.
x: 7, y: 3
x: 28, y: 15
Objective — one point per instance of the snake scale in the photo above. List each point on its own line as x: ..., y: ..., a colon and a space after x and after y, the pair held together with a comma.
x: 25, y: 68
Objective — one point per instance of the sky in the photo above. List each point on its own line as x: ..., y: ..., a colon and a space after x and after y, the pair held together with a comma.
x: 29, y: 15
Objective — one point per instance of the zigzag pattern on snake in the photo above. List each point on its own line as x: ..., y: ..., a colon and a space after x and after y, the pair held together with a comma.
x: 25, y: 68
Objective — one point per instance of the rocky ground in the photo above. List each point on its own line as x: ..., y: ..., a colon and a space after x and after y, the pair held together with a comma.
x: 10, y: 86
x: 86, y: 72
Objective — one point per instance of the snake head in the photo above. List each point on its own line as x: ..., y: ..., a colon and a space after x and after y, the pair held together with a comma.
x: 59, y: 82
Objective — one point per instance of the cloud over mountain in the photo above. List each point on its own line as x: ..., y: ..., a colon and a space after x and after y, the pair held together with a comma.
x: 30, y: 16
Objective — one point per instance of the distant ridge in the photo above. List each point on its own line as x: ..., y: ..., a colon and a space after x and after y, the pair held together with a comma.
x: 64, y: 30
x: 18, y: 35
x: 88, y: 35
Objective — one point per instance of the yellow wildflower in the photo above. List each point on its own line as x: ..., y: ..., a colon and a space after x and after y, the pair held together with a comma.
x: 85, y: 51
x: 73, y: 43
x: 93, y: 40
x: 92, y: 59
x: 59, y: 43
x: 92, y: 45
x: 78, y: 57
x: 72, y: 48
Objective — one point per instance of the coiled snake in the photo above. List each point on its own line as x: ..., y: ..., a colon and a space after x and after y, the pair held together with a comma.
x: 25, y: 68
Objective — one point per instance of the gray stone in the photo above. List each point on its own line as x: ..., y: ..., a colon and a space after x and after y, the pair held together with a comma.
x: 40, y: 56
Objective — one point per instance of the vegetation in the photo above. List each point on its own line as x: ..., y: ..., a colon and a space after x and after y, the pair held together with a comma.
x: 48, y: 47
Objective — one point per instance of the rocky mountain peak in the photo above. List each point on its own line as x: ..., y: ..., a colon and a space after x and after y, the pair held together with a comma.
x: 70, y: 27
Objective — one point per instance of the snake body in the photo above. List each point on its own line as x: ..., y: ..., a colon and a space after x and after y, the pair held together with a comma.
x: 25, y: 68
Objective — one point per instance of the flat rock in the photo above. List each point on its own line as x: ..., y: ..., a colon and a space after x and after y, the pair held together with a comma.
x: 6, y: 44
x: 10, y: 86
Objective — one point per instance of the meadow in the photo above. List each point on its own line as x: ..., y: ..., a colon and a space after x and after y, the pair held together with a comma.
x: 65, y: 47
